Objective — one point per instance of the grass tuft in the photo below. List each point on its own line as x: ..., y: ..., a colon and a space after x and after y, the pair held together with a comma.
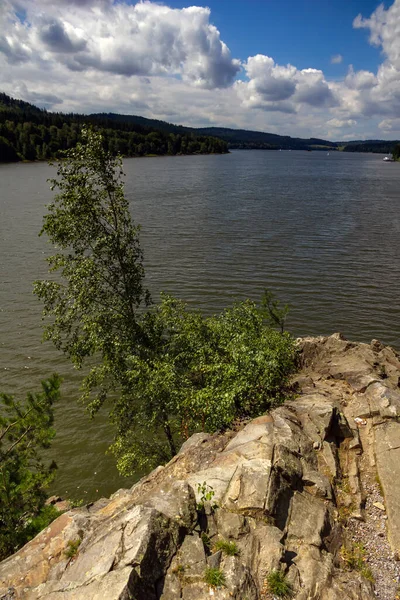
x: 229, y: 548
x: 214, y: 577
x: 278, y: 585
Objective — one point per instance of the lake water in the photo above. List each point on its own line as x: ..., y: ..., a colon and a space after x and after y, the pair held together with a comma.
x: 322, y: 232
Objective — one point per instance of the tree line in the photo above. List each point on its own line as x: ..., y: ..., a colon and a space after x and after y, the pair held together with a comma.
x: 29, y: 133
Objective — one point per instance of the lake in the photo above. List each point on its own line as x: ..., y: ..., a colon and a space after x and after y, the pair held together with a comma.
x: 321, y: 231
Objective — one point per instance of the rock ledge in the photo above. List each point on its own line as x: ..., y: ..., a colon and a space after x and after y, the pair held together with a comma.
x: 286, y: 486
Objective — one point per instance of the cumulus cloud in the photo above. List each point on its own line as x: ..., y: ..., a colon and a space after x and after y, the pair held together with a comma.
x: 144, y: 39
x: 336, y: 59
x: 172, y: 64
x: 389, y: 126
x: 360, y: 80
x: 340, y: 123
x: 275, y: 87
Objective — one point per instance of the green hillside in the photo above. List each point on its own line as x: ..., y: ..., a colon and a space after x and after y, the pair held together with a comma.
x: 29, y: 133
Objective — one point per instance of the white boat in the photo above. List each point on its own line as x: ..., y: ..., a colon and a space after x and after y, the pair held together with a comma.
x: 388, y: 159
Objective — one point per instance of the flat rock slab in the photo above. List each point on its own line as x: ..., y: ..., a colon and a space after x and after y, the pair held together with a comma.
x: 387, y: 444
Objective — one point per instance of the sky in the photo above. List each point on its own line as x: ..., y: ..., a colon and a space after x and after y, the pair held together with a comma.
x: 308, y: 68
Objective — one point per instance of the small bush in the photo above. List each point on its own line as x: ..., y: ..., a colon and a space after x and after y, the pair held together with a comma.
x: 72, y: 548
x: 229, y: 548
x: 278, y: 586
x: 207, y: 495
x: 214, y: 577
x: 355, y: 559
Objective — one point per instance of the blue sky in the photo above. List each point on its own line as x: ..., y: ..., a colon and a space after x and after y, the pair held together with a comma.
x: 323, y: 68
x: 303, y: 32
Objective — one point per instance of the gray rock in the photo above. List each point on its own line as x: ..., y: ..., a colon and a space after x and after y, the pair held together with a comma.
x: 387, y: 439
x: 307, y: 521
x: 248, y: 487
x: 192, y: 558
x: 230, y: 525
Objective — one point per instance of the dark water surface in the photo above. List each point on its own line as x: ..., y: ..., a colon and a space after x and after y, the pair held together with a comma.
x: 323, y: 232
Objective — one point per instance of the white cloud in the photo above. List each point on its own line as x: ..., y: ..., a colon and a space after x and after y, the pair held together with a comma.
x: 282, y: 88
x: 340, y: 123
x: 389, y: 126
x: 172, y: 64
x: 144, y: 39
x: 336, y: 59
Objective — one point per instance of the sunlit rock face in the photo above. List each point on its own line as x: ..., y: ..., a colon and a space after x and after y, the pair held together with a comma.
x: 280, y: 488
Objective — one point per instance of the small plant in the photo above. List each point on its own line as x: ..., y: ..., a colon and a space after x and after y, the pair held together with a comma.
x: 215, y: 578
x: 179, y: 571
x: 207, y: 494
x: 278, y: 585
x: 76, y: 503
x: 378, y: 481
x: 229, y: 548
x: 354, y: 558
x: 72, y: 548
x: 205, y: 538
x: 344, y: 486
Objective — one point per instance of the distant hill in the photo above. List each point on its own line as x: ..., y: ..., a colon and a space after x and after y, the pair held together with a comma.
x: 30, y: 133
x: 243, y: 138
x: 377, y: 146
x: 235, y: 138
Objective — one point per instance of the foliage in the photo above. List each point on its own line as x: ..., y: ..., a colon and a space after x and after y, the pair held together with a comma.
x: 207, y: 495
x: 72, y: 548
x: 28, y: 133
x: 278, y: 585
x: 94, y: 300
x: 375, y: 146
x: 214, y: 577
x: 170, y: 371
x: 275, y: 314
x: 354, y: 556
x: 228, y: 547
x: 25, y: 429
x: 396, y: 152
x: 202, y: 374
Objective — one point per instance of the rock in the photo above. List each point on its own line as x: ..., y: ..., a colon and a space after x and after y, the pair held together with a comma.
x: 214, y: 560
x: 248, y: 487
x: 192, y: 558
x: 317, y: 484
x: 239, y: 581
x: 387, y: 439
x: 277, y: 494
x: 307, y: 522
x: 230, y: 525
x: 196, y: 440
x: 262, y: 551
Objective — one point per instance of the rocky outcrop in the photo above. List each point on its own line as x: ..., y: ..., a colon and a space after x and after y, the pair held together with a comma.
x: 281, y: 489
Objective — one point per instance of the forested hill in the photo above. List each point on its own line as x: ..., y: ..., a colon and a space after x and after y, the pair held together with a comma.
x: 235, y: 138
x: 377, y: 146
x: 29, y: 133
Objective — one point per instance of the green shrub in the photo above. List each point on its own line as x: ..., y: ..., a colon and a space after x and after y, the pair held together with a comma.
x: 354, y: 556
x: 207, y: 372
x: 25, y: 429
x: 229, y: 548
x: 72, y: 548
x: 278, y: 585
x: 214, y: 577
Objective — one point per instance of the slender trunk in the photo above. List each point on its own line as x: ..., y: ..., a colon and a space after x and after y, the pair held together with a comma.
x: 168, y: 433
